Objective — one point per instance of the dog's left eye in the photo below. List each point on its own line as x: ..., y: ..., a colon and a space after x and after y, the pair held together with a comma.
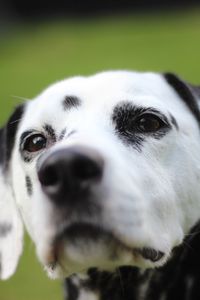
x: 35, y: 143
x: 149, y: 123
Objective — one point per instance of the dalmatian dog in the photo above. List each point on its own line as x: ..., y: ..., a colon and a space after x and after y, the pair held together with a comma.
x: 104, y: 172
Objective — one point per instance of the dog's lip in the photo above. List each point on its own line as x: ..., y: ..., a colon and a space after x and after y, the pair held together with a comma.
x: 94, y: 232
x: 150, y: 253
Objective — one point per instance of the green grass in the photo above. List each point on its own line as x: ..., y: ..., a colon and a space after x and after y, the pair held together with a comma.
x: 32, y: 56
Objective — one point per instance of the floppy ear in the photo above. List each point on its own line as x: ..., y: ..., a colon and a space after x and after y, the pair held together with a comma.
x: 189, y: 93
x: 11, y: 229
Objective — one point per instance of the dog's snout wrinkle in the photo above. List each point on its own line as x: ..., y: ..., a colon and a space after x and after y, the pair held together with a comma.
x: 68, y: 174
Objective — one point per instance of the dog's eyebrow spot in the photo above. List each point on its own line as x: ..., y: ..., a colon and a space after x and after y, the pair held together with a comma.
x: 62, y: 135
x: 174, y: 122
x: 29, y: 185
x: 122, y: 114
x: 5, y: 228
x: 50, y: 131
x: 71, y: 101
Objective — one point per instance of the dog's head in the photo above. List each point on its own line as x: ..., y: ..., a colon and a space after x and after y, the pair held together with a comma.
x: 104, y: 171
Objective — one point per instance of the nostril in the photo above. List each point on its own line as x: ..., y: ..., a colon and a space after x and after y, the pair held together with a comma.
x: 49, y: 176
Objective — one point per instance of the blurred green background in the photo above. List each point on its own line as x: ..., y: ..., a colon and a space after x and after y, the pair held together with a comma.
x: 36, y: 54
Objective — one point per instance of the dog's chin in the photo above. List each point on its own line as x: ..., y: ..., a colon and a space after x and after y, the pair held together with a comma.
x: 83, y: 246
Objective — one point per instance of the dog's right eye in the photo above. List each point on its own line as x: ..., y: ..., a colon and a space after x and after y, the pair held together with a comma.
x: 35, y: 143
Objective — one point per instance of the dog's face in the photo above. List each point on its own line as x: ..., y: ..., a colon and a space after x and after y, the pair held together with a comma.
x: 104, y: 171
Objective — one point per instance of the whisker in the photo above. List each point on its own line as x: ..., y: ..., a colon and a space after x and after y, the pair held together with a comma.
x: 188, y: 245
x: 20, y: 98
x: 192, y: 234
x: 13, y: 122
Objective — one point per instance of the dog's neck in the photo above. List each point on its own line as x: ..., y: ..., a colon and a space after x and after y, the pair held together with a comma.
x: 178, y: 279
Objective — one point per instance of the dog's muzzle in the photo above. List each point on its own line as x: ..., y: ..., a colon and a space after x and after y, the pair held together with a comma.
x: 68, y: 174
x: 69, y: 177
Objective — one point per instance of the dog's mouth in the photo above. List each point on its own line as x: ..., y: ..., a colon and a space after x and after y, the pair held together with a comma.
x: 80, y: 236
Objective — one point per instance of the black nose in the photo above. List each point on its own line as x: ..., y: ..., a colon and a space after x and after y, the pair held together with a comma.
x: 69, y: 174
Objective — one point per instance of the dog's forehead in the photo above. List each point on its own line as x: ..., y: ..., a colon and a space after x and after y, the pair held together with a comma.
x: 107, y: 87
x: 102, y: 92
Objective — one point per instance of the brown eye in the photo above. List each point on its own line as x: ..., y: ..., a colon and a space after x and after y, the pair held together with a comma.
x: 35, y: 143
x: 149, y: 123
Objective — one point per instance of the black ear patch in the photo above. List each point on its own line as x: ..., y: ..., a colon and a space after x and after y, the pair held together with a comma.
x: 187, y: 92
x: 8, y: 134
x: 2, y: 146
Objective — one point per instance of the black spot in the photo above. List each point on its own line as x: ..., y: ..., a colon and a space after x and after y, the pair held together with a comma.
x: 5, y: 228
x: 27, y: 159
x: 65, y: 134
x: 29, y: 186
x: 122, y: 114
x: 72, y: 290
x: 2, y: 145
x: 8, y: 135
x: 121, y: 284
x: 71, y: 101
x: 187, y: 92
x: 174, y: 122
x: 62, y: 135
x: 50, y: 131
x: 151, y: 254
x: 125, y: 117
